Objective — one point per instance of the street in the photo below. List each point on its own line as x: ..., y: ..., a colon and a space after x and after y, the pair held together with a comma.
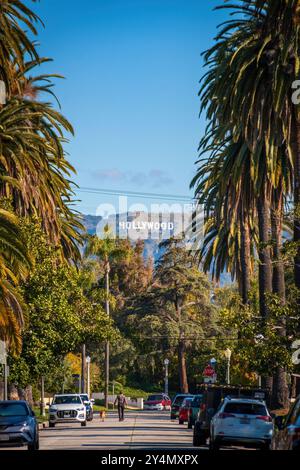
x: 139, y: 430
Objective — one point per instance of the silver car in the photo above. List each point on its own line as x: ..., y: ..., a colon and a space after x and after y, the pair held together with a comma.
x: 67, y: 408
x: 241, y: 421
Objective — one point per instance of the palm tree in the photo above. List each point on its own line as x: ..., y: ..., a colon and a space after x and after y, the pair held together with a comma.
x: 107, y: 249
x: 15, y: 44
x: 246, y: 94
x: 14, y: 264
x: 223, y: 185
x: 34, y: 172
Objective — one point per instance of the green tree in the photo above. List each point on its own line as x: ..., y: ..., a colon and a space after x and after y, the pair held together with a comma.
x: 175, y: 311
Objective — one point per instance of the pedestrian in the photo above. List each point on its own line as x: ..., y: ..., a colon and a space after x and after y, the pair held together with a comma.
x: 121, y: 403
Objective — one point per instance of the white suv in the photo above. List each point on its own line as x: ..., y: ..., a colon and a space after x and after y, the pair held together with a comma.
x: 67, y: 408
x: 241, y: 421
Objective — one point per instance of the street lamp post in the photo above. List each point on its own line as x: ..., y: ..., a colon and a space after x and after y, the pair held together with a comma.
x: 166, y: 363
x: 88, y: 361
x: 227, y: 354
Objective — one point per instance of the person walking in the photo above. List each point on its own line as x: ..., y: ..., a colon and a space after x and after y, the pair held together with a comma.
x: 121, y: 402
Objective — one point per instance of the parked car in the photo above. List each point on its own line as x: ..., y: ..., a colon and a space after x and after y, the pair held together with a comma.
x: 213, y: 395
x: 67, y: 408
x: 88, y: 403
x: 177, y: 402
x: 240, y: 421
x: 18, y: 425
x: 159, y: 402
x: 194, y: 410
x: 184, y: 410
x: 287, y: 429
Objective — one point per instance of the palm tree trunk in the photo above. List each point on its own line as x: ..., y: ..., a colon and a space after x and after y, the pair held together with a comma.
x: 296, y: 151
x: 265, y: 266
x: 278, y: 266
x: 183, y: 381
x: 184, y: 387
x: 245, y: 259
x: 280, y: 393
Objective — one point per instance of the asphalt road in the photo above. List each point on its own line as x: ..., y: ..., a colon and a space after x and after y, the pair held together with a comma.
x: 140, y: 430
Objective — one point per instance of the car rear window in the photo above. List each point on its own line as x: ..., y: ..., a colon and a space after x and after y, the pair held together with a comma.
x: 197, y: 401
x: 155, y: 397
x: 187, y: 402
x: 13, y: 409
x: 246, y: 409
x: 179, y: 399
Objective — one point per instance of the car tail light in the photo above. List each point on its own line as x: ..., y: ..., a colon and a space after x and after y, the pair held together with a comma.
x: 226, y: 415
x: 268, y: 419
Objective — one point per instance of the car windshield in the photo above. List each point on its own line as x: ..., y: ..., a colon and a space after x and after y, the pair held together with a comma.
x: 85, y: 397
x: 197, y: 400
x: 246, y: 409
x: 155, y: 397
x: 13, y: 409
x: 65, y: 399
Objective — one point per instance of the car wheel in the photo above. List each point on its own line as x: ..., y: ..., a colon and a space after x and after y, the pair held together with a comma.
x: 266, y: 446
x: 213, y: 445
x: 199, y: 438
x: 51, y: 425
x: 83, y: 423
x: 35, y: 445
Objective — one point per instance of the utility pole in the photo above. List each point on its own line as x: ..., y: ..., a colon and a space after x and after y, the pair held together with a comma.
x: 83, y: 361
x: 107, y: 270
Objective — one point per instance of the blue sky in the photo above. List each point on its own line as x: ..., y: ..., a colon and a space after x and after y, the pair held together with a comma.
x: 132, y: 69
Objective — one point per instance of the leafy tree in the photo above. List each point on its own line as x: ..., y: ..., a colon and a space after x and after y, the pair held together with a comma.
x: 174, y: 312
x: 60, y: 316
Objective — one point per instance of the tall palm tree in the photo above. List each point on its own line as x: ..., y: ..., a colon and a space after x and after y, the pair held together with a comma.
x: 14, y: 264
x: 107, y: 250
x: 223, y: 185
x: 245, y: 94
x: 34, y: 172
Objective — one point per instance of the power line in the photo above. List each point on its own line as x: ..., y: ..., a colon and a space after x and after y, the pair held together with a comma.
x: 144, y: 195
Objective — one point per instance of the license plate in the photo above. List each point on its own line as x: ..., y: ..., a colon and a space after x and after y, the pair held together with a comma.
x: 4, y: 437
x: 245, y: 421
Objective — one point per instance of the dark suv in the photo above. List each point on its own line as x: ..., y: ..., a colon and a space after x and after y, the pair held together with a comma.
x: 287, y: 429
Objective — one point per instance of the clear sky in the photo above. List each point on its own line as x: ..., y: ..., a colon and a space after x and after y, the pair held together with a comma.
x: 132, y: 69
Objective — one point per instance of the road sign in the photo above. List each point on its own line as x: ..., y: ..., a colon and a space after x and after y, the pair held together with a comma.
x: 209, y: 371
